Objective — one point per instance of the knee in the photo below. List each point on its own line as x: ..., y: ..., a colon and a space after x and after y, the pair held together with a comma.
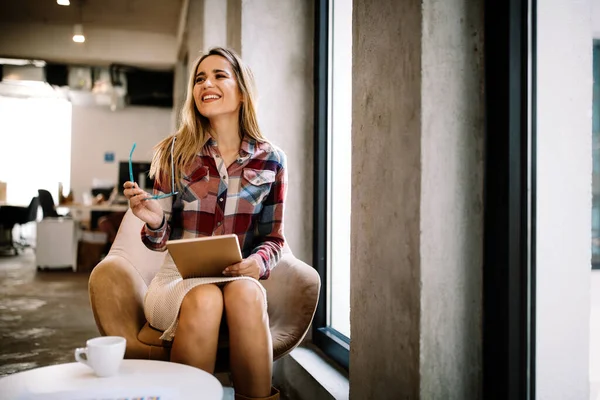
x: 244, y: 296
x: 200, y: 303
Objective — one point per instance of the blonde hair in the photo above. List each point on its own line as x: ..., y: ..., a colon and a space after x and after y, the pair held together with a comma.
x: 194, y: 127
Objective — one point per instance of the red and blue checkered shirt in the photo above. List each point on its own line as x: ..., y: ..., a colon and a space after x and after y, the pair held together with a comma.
x: 246, y: 199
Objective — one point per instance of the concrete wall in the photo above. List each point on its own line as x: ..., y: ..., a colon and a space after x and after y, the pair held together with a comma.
x: 277, y: 44
x: 215, y: 23
x: 54, y: 43
x: 452, y: 199
x: 564, y: 157
x: 234, y: 25
x: 417, y: 200
x: 195, y: 31
x: 386, y: 197
x: 96, y: 130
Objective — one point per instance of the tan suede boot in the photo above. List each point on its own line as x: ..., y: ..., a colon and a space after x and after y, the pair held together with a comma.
x: 274, y: 396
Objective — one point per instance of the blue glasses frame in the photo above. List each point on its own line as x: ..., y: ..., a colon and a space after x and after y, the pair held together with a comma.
x: 156, y: 196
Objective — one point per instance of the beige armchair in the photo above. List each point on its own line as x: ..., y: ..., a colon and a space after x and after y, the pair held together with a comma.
x: 118, y: 284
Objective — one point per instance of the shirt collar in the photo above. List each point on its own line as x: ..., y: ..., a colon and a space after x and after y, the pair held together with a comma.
x: 209, y: 141
x: 247, y: 147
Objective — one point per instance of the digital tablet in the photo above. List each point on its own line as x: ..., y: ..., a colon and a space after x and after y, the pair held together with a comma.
x: 205, y: 256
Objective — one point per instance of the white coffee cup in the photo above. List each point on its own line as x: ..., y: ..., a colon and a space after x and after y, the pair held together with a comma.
x: 102, y: 354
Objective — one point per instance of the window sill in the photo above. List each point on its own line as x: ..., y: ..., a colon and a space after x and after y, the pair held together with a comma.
x: 307, y: 373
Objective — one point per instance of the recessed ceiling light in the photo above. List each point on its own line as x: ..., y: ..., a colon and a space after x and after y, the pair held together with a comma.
x: 63, y: 2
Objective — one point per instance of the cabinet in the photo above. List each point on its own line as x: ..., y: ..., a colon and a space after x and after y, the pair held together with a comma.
x: 56, y: 243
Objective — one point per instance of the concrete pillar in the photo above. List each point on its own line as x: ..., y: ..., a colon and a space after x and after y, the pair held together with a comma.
x: 452, y: 132
x: 180, y: 79
x: 234, y: 25
x: 277, y: 44
x: 195, y: 31
x: 215, y: 24
x: 417, y: 133
x: 209, y: 23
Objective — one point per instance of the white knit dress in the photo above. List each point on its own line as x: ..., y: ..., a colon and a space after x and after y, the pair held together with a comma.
x: 166, y: 292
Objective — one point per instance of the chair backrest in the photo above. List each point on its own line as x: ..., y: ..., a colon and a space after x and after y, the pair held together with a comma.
x: 32, y: 210
x: 47, y: 203
x: 128, y: 244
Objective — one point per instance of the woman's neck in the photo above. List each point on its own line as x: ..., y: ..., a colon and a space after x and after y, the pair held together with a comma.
x: 226, y: 131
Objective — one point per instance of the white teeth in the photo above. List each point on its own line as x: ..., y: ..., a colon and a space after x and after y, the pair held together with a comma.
x: 210, y: 96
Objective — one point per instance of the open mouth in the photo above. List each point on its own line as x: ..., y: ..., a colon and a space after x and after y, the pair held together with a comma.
x: 210, y: 97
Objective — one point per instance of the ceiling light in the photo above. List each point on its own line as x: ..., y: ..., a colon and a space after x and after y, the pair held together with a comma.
x: 78, y: 34
x: 14, y: 61
x: 63, y: 2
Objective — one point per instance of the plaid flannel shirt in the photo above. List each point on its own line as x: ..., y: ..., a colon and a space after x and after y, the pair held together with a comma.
x: 246, y: 199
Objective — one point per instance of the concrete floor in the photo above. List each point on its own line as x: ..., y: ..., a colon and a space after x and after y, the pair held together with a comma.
x: 44, y: 316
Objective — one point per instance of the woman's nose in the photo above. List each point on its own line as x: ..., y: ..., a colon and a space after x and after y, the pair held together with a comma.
x: 207, y: 83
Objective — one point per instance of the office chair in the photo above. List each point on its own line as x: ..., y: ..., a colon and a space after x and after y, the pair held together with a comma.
x: 47, y: 203
x: 118, y: 284
x: 14, y: 215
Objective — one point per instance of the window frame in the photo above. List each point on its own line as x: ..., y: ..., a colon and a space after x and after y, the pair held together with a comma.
x: 330, y: 341
x: 595, y: 113
x: 509, y: 263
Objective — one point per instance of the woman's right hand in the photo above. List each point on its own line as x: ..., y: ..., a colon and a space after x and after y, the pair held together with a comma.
x: 148, y: 211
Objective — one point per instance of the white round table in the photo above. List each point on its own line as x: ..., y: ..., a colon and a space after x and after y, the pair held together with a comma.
x: 143, y: 379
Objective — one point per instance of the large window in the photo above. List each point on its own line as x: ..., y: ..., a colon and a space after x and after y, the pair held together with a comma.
x: 35, y: 134
x: 333, y: 175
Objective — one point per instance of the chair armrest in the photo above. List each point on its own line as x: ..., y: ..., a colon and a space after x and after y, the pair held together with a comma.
x: 293, y: 293
x: 117, y: 293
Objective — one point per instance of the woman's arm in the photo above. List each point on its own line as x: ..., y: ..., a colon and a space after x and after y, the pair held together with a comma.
x: 270, y: 223
x: 156, y: 239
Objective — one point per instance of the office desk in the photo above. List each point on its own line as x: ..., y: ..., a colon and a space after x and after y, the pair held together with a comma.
x: 91, y: 213
x: 95, y: 207
x: 4, y: 203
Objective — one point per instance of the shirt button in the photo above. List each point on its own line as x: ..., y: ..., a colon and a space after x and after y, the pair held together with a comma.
x: 224, y: 177
x: 221, y: 199
x: 216, y: 156
x: 219, y: 223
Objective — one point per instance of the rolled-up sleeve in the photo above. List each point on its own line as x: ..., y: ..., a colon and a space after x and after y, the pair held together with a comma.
x: 156, y: 240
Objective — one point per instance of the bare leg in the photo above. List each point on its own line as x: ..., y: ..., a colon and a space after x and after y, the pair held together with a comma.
x: 250, y: 345
x: 197, y: 334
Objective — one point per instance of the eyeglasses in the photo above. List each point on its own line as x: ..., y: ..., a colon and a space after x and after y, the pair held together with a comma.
x: 156, y: 196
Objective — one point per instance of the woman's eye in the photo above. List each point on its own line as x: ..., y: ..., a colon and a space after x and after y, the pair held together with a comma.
x: 221, y: 76
x: 199, y: 80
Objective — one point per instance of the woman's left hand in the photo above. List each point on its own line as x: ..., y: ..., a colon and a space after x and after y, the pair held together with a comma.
x: 247, y: 267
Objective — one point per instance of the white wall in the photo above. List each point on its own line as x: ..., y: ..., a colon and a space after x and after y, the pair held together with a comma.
x: 102, y: 46
x: 564, y: 157
x: 97, y: 130
x: 596, y: 18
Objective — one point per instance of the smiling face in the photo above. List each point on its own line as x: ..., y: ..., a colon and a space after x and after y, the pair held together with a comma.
x: 216, y: 91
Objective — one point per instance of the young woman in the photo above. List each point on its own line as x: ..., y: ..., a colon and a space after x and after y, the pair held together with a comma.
x: 216, y: 175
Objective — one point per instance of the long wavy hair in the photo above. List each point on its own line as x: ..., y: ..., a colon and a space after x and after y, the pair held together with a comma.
x: 194, y: 127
